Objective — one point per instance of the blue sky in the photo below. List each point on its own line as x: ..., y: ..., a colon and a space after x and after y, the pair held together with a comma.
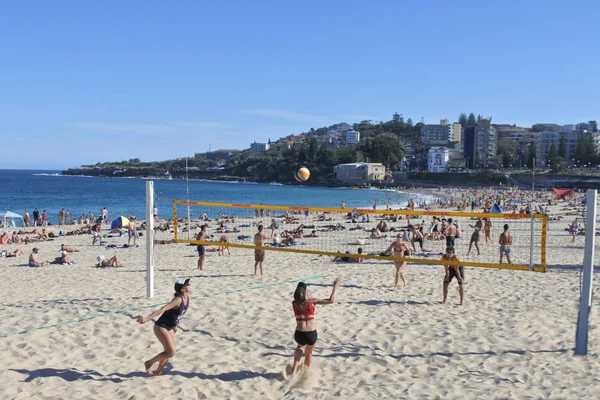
x: 84, y: 82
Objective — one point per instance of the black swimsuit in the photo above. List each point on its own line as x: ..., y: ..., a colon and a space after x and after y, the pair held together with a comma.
x: 171, y: 318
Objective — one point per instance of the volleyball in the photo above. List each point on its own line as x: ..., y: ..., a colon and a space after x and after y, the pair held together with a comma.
x: 302, y: 174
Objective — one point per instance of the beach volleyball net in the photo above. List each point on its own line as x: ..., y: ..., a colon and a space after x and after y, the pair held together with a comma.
x: 341, y: 232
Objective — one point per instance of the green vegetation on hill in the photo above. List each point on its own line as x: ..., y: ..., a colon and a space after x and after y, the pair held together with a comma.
x: 383, y: 142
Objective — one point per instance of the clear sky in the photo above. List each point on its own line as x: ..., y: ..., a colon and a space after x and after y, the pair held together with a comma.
x: 89, y: 81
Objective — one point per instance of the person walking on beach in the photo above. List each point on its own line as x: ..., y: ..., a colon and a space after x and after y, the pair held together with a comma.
x: 166, y: 325
x: 68, y: 216
x: 306, y: 330
x: 505, y: 242
x: 399, y: 249
x: 574, y: 229
x: 61, y: 217
x: 201, y: 236
x: 36, y: 217
x: 27, y: 219
x: 452, y: 271
x: 476, y: 235
x: 131, y: 231
x: 259, y: 254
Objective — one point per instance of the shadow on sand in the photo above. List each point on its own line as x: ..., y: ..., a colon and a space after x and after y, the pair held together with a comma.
x: 72, y: 374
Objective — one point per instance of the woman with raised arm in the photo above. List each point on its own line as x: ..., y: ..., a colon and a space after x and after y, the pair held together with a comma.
x: 306, y: 331
x: 166, y: 326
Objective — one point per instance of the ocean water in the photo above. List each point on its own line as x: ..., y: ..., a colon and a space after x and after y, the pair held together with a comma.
x: 22, y: 190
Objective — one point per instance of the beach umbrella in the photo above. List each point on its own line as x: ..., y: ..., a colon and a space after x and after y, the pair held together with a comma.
x: 119, y: 222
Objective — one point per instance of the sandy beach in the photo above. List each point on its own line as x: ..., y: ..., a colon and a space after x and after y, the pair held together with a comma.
x: 513, y: 337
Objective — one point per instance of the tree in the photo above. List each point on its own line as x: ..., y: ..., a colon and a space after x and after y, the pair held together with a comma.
x: 384, y: 149
x: 506, y: 149
x: 552, y: 154
x: 462, y: 119
x: 396, y: 117
x: 531, y: 158
x: 562, y: 147
x: 471, y: 121
x: 479, y: 118
x: 557, y: 164
x: 409, y: 122
x: 593, y: 126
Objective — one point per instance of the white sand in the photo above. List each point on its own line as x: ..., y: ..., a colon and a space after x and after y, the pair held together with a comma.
x: 513, y: 338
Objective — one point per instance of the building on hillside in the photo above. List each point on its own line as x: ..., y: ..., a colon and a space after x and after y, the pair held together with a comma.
x: 352, y: 137
x: 486, y: 143
x: 444, y: 159
x: 505, y: 131
x: 221, y: 153
x: 259, y: 148
x: 360, y: 172
x: 441, y: 134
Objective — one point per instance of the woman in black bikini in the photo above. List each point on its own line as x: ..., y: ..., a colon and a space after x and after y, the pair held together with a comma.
x: 166, y: 326
x: 306, y: 331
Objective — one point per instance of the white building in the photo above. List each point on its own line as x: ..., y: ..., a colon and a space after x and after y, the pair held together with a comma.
x: 259, y: 148
x: 352, y: 137
x: 438, y: 159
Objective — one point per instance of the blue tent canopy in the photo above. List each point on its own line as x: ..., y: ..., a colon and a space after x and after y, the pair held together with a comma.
x: 119, y: 222
x: 496, y: 209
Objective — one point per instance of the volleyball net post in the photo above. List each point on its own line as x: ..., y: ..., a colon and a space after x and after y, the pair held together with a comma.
x: 585, y: 302
x: 149, y: 239
x: 332, y: 230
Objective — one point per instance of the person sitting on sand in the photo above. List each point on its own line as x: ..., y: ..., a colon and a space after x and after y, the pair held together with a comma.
x: 376, y: 234
x: 166, y: 326
x: 33, y: 261
x: 4, y: 238
x: 306, y: 330
x: 313, y: 234
x: 62, y: 259
x: 43, y: 235
x: 15, y: 238
x: 68, y: 249
x: 111, y: 262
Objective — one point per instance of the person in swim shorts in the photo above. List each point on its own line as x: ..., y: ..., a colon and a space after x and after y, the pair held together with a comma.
x: 201, y: 236
x: 259, y: 254
x: 166, y: 325
x: 505, y: 242
x: 33, y: 261
x: 306, y: 330
x: 452, y: 271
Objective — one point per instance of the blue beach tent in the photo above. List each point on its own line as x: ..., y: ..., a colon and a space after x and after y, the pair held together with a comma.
x: 119, y: 222
x: 496, y: 209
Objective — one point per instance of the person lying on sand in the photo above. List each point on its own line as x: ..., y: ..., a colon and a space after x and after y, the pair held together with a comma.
x: 111, y: 262
x: 68, y: 249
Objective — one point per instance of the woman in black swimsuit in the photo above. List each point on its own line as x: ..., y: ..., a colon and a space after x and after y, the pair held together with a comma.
x: 166, y: 326
x: 306, y: 331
